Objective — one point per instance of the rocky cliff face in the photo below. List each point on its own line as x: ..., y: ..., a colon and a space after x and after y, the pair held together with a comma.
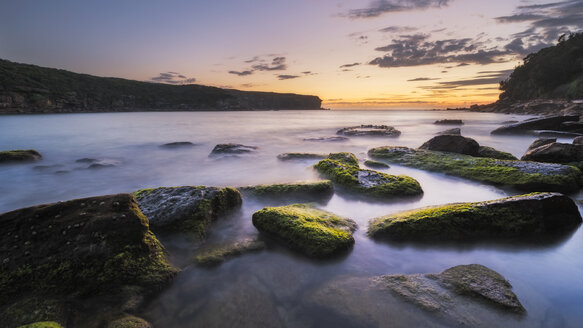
x: 33, y: 89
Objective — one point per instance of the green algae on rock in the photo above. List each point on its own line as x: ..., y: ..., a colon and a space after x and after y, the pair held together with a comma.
x: 77, y: 250
x: 513, y: 217
x: 187, y: 208
x: 43, y: 324
x: 376, y: 164
x: 528, y: 176
x: 19, y: 155
x: 129, y: 321
x: 343, y: 169
x: 219, y: 254
x: 490, y: 152
x: 303, y: 227
x: 301, y: 190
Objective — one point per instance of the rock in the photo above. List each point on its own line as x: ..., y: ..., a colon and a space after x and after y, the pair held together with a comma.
x: 47, y: 167
x: 571, y: 126
x: 490, y: 152
x: 99, y: 163
x: 434, y: 292
x: 370, y: 130
x: 541, y: 142
x: 19, y: 156
x: 218, y: 255
x: 376, y: 164
x: 79, y: 250
x: 87, y: 160
x: 307, y: 191
x: 311, y: 231
x: 299, y: 156
x: 452, y: 144
x: 559, y: 134
x: 232, y: 148
x: 43, y: 324
x: 187, y: 208
x: 327, y: 139
x: 524, y: 216
x: 555, y: 153
x: 547, y: 123
x: 529, y: 176
x: 578, y: 141
x: 446, y: 121
x: 178, y: 144
x: 129, y: 321
x: 343, y: 169
x: 454, y: 131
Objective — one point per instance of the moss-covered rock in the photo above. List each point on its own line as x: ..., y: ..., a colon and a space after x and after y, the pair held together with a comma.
x: 370, y: 130
x: 376, y: 164
x: 490, y: 152
x: 219, y: 254
x: 343, y: 169
x: 299, y: 156
x: 311, y: 190
x: 19, y: 155
x: 311, y: 231
x: 129, y: 321
x: 452, y: 143
x: 77, y: 250
x: 524, y: 216
x: 43, y: 324
x: 187, y: 208
x: 529, y: 176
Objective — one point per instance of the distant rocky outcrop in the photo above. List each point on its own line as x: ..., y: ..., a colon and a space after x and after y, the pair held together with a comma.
x: 33, y: 89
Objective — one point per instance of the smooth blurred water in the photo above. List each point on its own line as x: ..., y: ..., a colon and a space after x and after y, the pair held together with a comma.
x: 273, y: 287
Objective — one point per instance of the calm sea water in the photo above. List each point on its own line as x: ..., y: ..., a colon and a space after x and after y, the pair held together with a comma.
x: 275, y: 287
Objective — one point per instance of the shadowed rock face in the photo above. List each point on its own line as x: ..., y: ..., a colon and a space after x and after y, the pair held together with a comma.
x: 454, y: 131
x: 449, y: 122
x: 578, y: 141
x: 19, y: 156
x: 453, y: 144
x: 525, y: 216
x: 370, y: 130
x: 549, y: 123
x: 178, y: 144
x: 541, y: 142
x: 555, y: 152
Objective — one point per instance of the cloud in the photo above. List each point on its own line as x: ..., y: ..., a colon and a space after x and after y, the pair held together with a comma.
x: 277, y: 64
x: 349, y: 65
x: 398, y: 29
x: 172, y: 78
x: 379, y: 7
x: 241, y: 73
x: 287, y: 77
x: 482, y: 78
x: 423, y: 79
x: 309, y: 73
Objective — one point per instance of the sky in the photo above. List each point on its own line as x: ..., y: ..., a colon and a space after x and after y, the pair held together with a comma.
x: 352, y: 54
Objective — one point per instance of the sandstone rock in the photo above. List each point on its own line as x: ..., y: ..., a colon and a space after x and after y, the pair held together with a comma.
x: 547, y: 123
x: 555, y: 153
x: 453, y: 144
x: 370, y: 130
x: 19, y: 156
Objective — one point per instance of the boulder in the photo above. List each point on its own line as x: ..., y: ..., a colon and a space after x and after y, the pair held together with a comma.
x: 307, y: 191
x: 454, y: 131
x: 578, y: 141
x: 556, y: 134
x: 311, y: 231
x: 490, y: 152
x: 375, y: 164
x: 232, y: 149
x: 555, y: 153
x: 178, y: 144
x: 19, y: 156
x: 188, y: 208
x: 524, y: 216
x: 547, y: 123
x: 343, y: 169
x: 79, y: 251
x: 449, y: 122
x: 299, y: 156
x: 370, y: 130
x: 219, y: 254
x: 541, y: 142
x: 529, y: 176
x: 453, y: 144
x: 327, y: 139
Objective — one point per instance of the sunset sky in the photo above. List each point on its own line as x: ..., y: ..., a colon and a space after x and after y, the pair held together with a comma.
x: 352, y: 54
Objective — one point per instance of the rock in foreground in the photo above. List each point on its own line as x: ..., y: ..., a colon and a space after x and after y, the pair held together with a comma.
x: 343, y: 169
x: 189, y: 209
x: 308, y: 191
x: 311, y: 231
x: 76, y: 250
x: 19, y: 156
x: 370, y: 130
x: 555, y: 152
x: 525, y: 216
x: 529, y: 176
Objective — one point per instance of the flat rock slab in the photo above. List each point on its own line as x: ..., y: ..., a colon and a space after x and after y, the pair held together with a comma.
x: 529, y: 217
x: 232, y: 149
x: 8, y: 156
x: 547, y: 123
x: 370, y: 130
x: 343, y: 169
x: 186, y: 208
x: 308, y: 191
x: 446, y: 121
x: 178, y: 144
x: 555, y: 152
x: 313, y: 232
x: 327, y: 139
x: 523, y: 175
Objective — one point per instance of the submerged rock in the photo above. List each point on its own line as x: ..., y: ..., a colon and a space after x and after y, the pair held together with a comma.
x: 78, y: 250
x: 188, y: 208
x: 311, y: 231
x: 454, y: 131
x: 299, y: 156
x: 302, y: 190
x: 577, y: 140
x: 376, y: 164
x: 525, y: 216
x: 530, y: 176
x: 178, y: 144
x: 327, y: 139
x: 19, y: 156
x: 343, y: 169
x: 370, y: 130
x: 232, y: 148
x: 547, y: 123
x: 490, y: 152
x: 453, y: 144
x: 448, y: 121
x: 219, y: 254
x: 555, y: 153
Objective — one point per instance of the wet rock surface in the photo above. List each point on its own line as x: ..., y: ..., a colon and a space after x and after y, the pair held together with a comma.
x: 9, y: 156
x: 490, y: 152
x: 555, y: 152
x: 218, y: 254
x: 370, y: 130
x: 327, y: 139
x: 306, y: 191
x: 454, y: 131
x: 178, y: 144
x: 376, y: 164
x: 547, y: 123
x: 452, y: 143
x: 232, y: 149
x: 541, y: 142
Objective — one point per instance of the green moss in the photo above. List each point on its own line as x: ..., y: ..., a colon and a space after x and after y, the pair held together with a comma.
x: 32, y: 309
x: 218, y: 255
x: 129, y: 321
x: 312, y: 231
x: 490, y: 152
x: 344, y: 158
x: 19, y: 155
x: 313, y: 187
x: 376, y: 164
x: 43, y: 324
x: 141, y: 193
x: 522, y: 175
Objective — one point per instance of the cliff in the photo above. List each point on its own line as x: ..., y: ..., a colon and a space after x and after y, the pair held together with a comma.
x: 34, y: 89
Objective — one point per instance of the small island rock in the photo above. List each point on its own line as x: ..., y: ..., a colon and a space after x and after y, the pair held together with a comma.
x: 370, y: 130
x: 232, y: 148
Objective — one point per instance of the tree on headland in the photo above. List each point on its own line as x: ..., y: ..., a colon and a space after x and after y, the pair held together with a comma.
x: 551, y: 73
